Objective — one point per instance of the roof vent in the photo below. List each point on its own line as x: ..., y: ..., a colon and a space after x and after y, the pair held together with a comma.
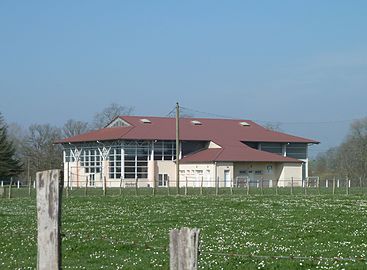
x: 196, y: 123
x: 245, y: 124
x: 145, y: 121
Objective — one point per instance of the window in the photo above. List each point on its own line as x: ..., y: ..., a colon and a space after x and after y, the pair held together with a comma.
x: 115, y: 163
x: 136, y: 154
x: 276, y: 148
x: 196, y: 123
x: 258, y: 172
x: 146, y: 121
x: 297, y: 150
x: 162, y: 180
x: 165, y: 150
x: 243, y: 172
x: 269, y: 169
x: 245, y: 124
x: 90, y: 159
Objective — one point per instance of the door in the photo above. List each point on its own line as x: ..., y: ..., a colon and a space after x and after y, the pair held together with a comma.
x: 162, y: 179
x: 227, y: 178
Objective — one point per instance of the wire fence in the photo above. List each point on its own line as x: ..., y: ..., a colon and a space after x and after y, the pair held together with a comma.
x: 194, y: 186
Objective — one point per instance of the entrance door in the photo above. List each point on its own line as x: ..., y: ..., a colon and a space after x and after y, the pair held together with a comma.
x: 227, y: 178
x: 162, y: 179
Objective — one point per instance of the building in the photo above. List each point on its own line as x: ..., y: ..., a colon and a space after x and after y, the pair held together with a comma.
x: 232, y: 152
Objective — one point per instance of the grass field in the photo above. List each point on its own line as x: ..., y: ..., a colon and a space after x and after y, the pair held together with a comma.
x: 99, y: 232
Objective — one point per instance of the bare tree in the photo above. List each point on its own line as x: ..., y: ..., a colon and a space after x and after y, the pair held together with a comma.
x: 40, y: 149
x: 104, y: 117
x: 73, y: 127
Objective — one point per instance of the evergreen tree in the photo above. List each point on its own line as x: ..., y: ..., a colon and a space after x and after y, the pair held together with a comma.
x: 9, y: 165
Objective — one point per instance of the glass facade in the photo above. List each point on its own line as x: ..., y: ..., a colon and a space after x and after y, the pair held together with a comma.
x: 125, y: 159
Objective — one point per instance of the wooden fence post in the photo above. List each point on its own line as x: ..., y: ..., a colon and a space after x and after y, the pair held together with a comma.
x: 201, y: 185
x: 168, y: 189
x: 48, y: 220
x: 120, y: 186
x: 306, y: 186
x: 276, y: 186
x: 136, y: 186
x: 186, y: 186
x: 231, y: 185
x: 29, y: 186
x: 248, y: 186
x: 10, y: 186
x: 217, y: 186
x: 334, y: 185
x: 318, y: 185
x: 326, y: 183
x: 292, y: 186
x: 262, y: 186
x: 104, y: 186
x: 86, y: 187
x: 183, y: 249
x: 154, y: 186
x: 347, y: 186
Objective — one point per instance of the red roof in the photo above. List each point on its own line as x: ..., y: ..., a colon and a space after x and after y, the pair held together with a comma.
x: 229, y: 134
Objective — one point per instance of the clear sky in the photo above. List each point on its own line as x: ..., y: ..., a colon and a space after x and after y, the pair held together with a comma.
x: 301, y: 63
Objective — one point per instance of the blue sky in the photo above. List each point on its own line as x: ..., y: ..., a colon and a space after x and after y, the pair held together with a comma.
x: 301, y: 63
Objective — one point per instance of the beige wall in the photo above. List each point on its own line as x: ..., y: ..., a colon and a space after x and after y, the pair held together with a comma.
x: 221, y: 167
x: 290, y: 170
x: 195, y: 173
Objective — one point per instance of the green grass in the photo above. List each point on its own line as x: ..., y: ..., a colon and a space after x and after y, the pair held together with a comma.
x: 98, y: 231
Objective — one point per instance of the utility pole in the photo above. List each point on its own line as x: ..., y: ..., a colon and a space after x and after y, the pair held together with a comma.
x: 178, y: 148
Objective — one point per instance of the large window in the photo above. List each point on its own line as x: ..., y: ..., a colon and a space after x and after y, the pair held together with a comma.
x: 91, y: 161
x: 165, y: 150
x: 136, y: 159
x: 115, y: 163
x: 276, y: 148
x: 297, y: 150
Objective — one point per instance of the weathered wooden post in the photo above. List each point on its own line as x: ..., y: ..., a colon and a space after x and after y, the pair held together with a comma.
x: 10, y: 186
x: 217, y: 186
x: 201, y: 185
x: 347, y: 186
x: 334, y: 185
x: 48, y: 220
x: 306, y: 185
x: 262, y: 186
x: 292, y: 186
x: 248, y: 186
x: 231, y: 185
x: 186, y: 186
x: 338, y: 183
x: 18, y: 184
x: 86, y: 187
x: 326, y: 183
x: 29, y: 187
x: 276, y: 186
x: 104, y: 186
x: 318, y: 186
x: 184, y: 249
x: 154, y: 186
x: 120, y: 186
x: 136, y: 186
x: 168, y: 189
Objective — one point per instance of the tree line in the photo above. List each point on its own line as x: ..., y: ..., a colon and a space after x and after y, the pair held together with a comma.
x: 23, y: 152
x: 349, y: 159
